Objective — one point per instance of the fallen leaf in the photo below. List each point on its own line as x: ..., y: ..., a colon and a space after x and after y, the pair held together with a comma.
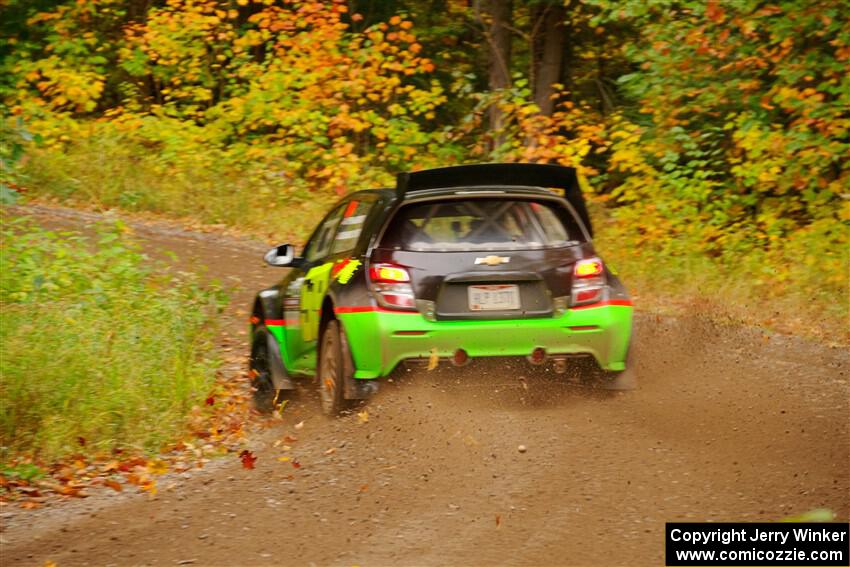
x: 363, y: 417
x: 296, y: 464
x: 210, y: 401
x: 248, y: 459
x: 30, y: 505
x: 131, y: 464
x: 330, y: 451
x: 283, y: 459
x: 70, y: 491
x: 81, y: 441
x: 49, y: 563
x: 498, y: 520
x: 150, y: 487
x: 290, y: 439
x: 157, y: 466
x: 110, y: 466
x: 113, y: 484
x: 433, y: 360
x: 364, y: 488
x: 279, y: 403
x: 299, y: 425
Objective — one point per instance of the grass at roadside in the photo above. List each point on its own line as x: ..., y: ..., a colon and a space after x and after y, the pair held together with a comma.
x: 798, y: 289
x: 101, y: 347
x: 206, y: 188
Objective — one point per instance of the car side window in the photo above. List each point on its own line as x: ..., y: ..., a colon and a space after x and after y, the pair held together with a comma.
x: 320, y: 244
x: 353, y: 218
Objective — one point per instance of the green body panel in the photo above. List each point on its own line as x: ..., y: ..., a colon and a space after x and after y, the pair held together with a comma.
x: 377, y: 349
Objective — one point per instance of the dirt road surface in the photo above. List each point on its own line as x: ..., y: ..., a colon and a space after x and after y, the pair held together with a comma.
x: 729, y: 424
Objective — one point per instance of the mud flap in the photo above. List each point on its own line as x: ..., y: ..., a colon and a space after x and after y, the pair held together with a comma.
x: 354, y: 389
x: 626, y: 379
x: 280, y: 377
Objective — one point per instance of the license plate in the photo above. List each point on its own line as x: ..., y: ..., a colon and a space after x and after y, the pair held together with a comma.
x: 493, y: 297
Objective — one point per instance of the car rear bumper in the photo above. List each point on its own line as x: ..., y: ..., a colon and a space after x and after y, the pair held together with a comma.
x: 381, y: 339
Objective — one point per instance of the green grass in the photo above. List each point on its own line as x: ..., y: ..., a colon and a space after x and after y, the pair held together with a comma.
x: 112, y: 171
x: 101, y: 348
x: 800, y: 286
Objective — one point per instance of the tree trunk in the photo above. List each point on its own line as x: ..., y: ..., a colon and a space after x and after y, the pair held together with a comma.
x: 499, y: 42
x: 551, y: 58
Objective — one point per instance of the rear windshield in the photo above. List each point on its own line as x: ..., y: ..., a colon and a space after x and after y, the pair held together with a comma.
x: 481, y: 224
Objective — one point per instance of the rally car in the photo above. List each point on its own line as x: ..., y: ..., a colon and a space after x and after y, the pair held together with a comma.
x: 453, y: 264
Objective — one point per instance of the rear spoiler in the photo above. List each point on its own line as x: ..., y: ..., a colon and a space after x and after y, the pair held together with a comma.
x: 499, y: 174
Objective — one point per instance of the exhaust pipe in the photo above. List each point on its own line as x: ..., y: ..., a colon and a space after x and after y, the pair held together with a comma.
x: 537, y: 356
x: 460, y: 358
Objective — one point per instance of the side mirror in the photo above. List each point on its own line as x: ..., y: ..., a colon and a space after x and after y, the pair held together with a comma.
x: 281, y: 256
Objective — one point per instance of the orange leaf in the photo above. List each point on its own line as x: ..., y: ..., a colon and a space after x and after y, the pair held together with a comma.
x: 248, y: 459
x: 113, y: 484
x: 70, y: 491
x: 149, y: 486
x: 714, y: 12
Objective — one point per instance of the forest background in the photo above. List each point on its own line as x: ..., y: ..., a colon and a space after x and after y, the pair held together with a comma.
x: 712, y: 137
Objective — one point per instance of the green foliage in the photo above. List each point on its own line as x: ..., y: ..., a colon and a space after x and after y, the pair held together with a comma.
x: 23, y: 471
x: 13, y: 140
x: 735, y: 153
x: 101, y: 347
x: 288, y: 88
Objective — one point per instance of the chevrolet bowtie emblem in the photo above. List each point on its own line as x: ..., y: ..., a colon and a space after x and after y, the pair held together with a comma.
x: 493, y: 260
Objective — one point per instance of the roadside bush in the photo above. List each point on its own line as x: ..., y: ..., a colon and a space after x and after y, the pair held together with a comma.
x: 101, y: 347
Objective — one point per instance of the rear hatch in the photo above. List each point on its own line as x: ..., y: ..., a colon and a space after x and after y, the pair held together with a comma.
x: 478, y: 258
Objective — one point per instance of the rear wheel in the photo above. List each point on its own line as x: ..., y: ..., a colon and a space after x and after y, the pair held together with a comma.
x: 261, y: 375
x: 329, y: 372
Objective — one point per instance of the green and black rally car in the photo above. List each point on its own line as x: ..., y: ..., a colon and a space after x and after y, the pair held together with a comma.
x: 456, y: 263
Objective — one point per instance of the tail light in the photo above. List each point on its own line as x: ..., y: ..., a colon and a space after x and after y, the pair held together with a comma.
x: 588, y: 281
x: 392, y: 286
x: 387, y: 273
x: 588, y: 268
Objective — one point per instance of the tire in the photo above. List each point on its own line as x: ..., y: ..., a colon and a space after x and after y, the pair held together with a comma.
x: 329, y: 371
x: 260, y: 369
